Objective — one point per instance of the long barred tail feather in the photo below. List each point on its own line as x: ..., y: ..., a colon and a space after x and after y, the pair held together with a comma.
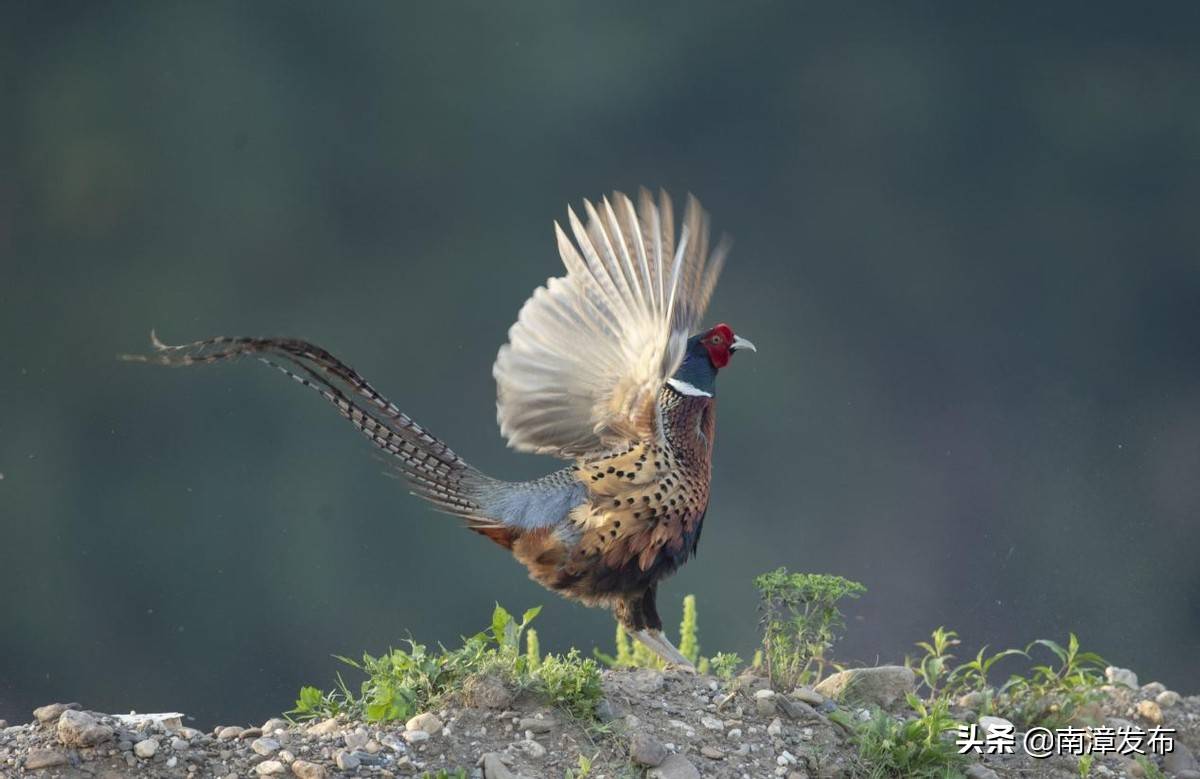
x: 432, y: 469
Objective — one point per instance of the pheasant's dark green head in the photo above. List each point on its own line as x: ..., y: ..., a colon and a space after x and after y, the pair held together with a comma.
x: 706, y: 354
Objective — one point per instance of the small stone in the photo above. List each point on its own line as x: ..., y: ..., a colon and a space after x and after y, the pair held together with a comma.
x: 712, y: 723
x: 531, y: 748
x: 306, y: 770
x: 172, y: 761
x: 357, y: 739
x: 487, y: 692
x: 265, y: 746
x: 775, y: 729
x: 325, y: 727
x: 1180, y: 760
x: 393, y: 743
x: 228, y: 732
x: 785, y: 758
x: 675, y: 767
x: 1149, y: 711
x: 52, y: 711
x: 993, y: 726
x: 808, y: 695
x: 346, y: 761
x: 764, y: 693
x: 146, y: 748
x: 274, y: 724
x: 734, y: 734
x: 494, y: 767
x: 537, y: 724
x: 1168, y: 698
x: 415, y: 736
x: 765, y: 704
x: 978, y: 771
x: 1121, y: 676
x: 882, y: 686
x: 645, y: 750
x: 80, y: 729
x: 249, y: 733
x: 712, y: 753
x: 796, y: 709
x: 1153, y: 688
x: 269, y: 767
x: 3, y: 724
x: 426, y: 721
x: 44, y: 758
x: 647, y: 681
x: 125, y: 745
x: 179, y: 744
x: 605, y: 711
x: 285, y: 757
x: 973, y: 700
x: 374, y: 747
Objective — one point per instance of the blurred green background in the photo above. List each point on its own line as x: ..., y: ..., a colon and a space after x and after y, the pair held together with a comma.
x: 966, y: 249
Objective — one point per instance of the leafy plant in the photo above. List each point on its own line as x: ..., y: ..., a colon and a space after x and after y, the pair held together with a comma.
x: 914, y: 749
x: 1054, y: 696
x: 725, y: 665
x: 800, y: 622
x: 1085, y: 766
x: 585, y: 767
x: 689, y: 635
x: 1150, y: 769
x: 569, y: 681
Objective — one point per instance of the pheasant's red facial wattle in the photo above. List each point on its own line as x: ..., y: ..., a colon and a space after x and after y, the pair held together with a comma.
x: 718, y: 341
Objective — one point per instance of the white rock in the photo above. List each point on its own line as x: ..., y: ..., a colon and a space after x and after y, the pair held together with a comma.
x: 274, y: 724
x: 346, y: 761
x: 735, y: 733
x: 1168, y: 698
x: 775, y: 728
x: 786, y: 758
x: 712, y: 723
x: 995, y: 725
x: 426, y: 721
x: 179, y: 744
x: 881, y: 686
x: 415, y: 736
x: 306, y: 770
x: 172, y: 761
x: 531, y: 748
x: 269, y: 767
x: 1122, y: 676
x: 146, y: 748
x: 265, y: 746
x: 767, y: 694
x: 358, y: 738
x: 228, y: 732
x: 325, y: 727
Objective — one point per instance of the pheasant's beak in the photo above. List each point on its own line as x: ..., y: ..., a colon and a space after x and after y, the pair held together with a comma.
x: 741, y: 343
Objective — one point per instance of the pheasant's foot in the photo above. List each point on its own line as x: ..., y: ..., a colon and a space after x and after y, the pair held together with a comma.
x: 657, y: 643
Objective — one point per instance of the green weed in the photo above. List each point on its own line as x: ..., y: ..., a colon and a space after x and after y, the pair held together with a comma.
x: 918, y: 748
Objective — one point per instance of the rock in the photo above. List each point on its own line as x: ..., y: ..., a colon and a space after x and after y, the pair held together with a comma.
x: 1153, y: 688
x: 605, y: 711
x: 764, y: 702
x: 306, y: 770
x: 52, y: 711
x: 487, y: 692
x: 146, y: 748
x: 269, y: 767
x: 647, y: 681
x: 978, y: 771
x: 1149, y: 711
x: 228, y: 732
x: 325, y: 727
x: 347, y: 761
x: 80, y: 729
x: 357, y: 739
x: 645, y: 750
x: 973, y: 700
x: 249, y: 733
x: 426, y: 721
x: 996, y: 725
x: 881, y: 686
x: 531, y: 748
x: 537, y: 724
x: 265, y: 746
x: 3, y: 724
x: 416, y: 736
x: 1180, y: 759
x: 44, y: 758
x: 674, y: 767
x: 285, y: 757
x: 1168, y: 698
x: 1121, y: 676
x: 775, y: 729
x: 808, y: 695
x: 712, y: 753
x: 712, y: 723
x: 795, y: 709
x: 179, y: 744
x: 274, y: 724
x: 494, y: 767
x: 734, y: 734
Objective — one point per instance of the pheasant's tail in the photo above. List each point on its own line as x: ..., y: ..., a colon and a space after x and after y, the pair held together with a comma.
x: 434, y: 471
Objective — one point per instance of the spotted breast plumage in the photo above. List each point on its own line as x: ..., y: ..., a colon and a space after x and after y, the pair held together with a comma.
x: 606, y: 367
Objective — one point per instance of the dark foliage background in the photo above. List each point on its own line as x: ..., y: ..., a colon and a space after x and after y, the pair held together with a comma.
x: 966, y: 248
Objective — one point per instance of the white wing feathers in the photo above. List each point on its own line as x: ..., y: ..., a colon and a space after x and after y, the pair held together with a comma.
x: 590, y: 350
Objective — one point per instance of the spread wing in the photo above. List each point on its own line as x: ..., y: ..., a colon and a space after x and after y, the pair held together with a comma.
x: 590, y: 350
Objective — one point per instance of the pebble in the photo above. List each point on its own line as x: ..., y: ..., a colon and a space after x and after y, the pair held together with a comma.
x: 734, y: 733
x: 764, y: 701
x: 531, y: 748
x: 249, y: 733
x: 44, y: 758
x: 494, y: 767
x: 675, y: 767
x: 646, y: 750
x: 882, y: 685
x: 978, y: 771
x: 1180, y: 759
x: 712, y: 753
x: 80, y: 729
x: 325, y: 727
x: 537, y: 724
x: 712, y: 723
x: 146, y: 748
x: 1168, y: 698
x: 1121, y: 676
x: 306, y: 770
x: 228, y: 732
x: 269, y: 767
x: 775, y: 729
x: 346, y: 761
x: 265, y: 746
x: 285, y: 756
x: 415, y: 736
x: 358, y: 738
x: 808, y: 695
x: 426, y: 721
x: 1153, y: 688
x: 995, y: 725
x: 1149, y: 711
x: 172, y: 761
x: 274, y: 724
x: 179, y: 744
x: 52, y: 711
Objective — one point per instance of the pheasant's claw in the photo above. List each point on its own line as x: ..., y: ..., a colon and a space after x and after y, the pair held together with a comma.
x: 657, y: 643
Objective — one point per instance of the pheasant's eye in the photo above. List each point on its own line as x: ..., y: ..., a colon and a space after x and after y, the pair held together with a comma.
x: 716, y: 340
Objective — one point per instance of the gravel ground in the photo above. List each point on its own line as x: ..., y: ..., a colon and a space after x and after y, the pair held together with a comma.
x: 669, y: 725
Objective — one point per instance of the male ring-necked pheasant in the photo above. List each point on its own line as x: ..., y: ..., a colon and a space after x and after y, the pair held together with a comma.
x: 605, y: 367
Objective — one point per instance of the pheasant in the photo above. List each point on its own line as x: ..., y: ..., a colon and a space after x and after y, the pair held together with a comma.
x: 606, y: 367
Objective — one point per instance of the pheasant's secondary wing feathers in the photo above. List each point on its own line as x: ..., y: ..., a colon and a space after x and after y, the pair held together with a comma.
x: 590, y: 350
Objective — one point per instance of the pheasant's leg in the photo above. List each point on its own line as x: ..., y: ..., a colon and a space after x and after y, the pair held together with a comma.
x: 638, y: 614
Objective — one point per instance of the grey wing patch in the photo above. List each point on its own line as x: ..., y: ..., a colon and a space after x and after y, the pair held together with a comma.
x: 531, y: 504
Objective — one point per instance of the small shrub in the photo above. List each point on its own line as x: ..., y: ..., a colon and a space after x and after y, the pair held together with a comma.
x: 689, y: 635
x: 914, y: 749
x: 569, y: 681
x: 724, y: 665
x: 1054, y: 696
x: 800, y: 622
